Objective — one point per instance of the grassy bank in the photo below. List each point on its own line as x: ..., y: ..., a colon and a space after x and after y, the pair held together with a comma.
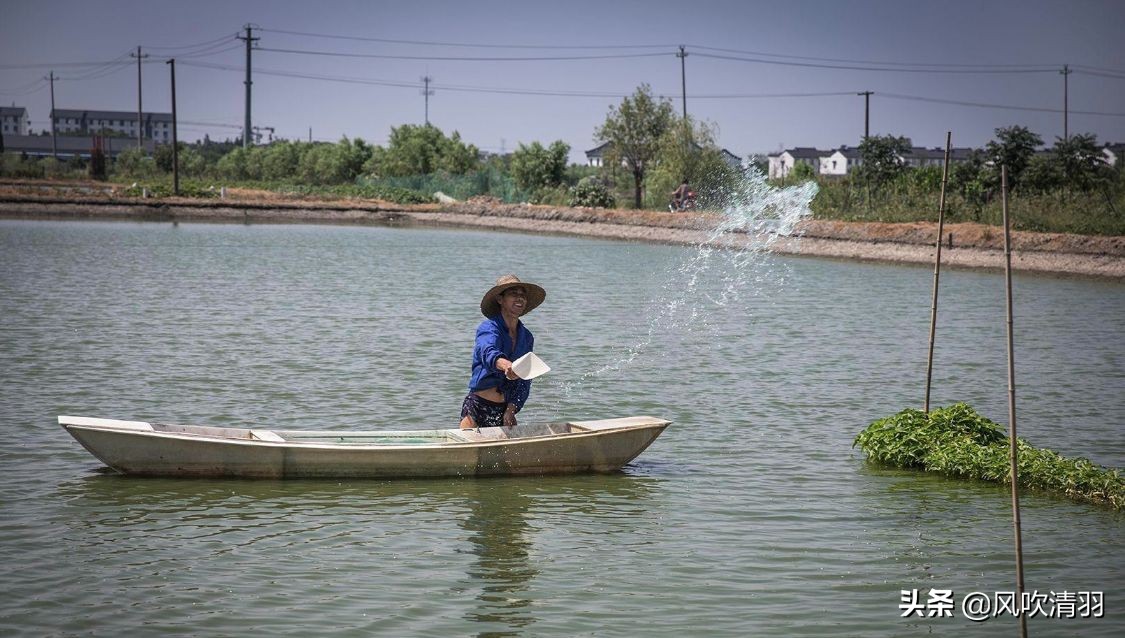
x: 912, y: 197
x: 957, y: 441
x: 916, y: 198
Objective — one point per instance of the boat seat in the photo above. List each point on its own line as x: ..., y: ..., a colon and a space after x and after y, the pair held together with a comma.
x: 266, y: 435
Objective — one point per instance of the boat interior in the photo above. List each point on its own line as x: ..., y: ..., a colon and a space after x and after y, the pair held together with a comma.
x: 402, y: 437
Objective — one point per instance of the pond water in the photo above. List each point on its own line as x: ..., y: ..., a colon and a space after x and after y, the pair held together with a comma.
x: 751, y: 515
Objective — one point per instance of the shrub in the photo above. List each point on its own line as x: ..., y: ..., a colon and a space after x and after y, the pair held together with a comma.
x: 592, y: 192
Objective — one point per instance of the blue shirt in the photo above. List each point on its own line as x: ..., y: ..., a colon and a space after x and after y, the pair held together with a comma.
x: 493, y: 342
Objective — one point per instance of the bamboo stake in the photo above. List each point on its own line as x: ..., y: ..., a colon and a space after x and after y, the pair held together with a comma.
x: 1012, y: 448
x: 937, y: 271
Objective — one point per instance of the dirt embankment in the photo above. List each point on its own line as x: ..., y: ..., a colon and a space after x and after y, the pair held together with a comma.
x: 972, y: 245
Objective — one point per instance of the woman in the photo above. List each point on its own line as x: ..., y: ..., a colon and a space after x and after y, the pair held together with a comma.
x: 496, y: 394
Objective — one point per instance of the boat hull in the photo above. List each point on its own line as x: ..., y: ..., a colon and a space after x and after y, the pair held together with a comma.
x: 137, y: 451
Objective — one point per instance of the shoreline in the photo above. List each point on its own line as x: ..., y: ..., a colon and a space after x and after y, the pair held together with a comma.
x: 974, y: 245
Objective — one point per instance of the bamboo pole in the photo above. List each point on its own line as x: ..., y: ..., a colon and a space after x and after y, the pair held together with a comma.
x: 1012, y: 447
x: 937, y: 271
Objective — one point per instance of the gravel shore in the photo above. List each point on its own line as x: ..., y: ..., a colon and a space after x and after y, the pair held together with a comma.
x: 973, y: 245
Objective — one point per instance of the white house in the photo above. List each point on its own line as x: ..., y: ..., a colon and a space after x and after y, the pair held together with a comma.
x: 157, y: 126
x: 13, y: 120
x: 841, y: 161
x: 596, y: 155
x: 782, y: 164
x: 1111, y: 153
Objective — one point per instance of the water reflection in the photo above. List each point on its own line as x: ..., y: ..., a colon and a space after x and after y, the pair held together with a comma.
x: 498, y: 529
x: 499, y: 526
x: 158, y: 528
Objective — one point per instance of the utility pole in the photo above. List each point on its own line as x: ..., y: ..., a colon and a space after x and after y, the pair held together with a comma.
x: 54, y: 134
x: 250, y: 40
x: 140, y: 122
x: 427, y: 92
x: 682, y: 55
x: 866, y: 112
x: 175, y: 141
x: 310, y: 135
x: 1066, y: 92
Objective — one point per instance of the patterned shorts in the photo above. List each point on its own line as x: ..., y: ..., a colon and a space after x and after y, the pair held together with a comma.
x: 485, y: 413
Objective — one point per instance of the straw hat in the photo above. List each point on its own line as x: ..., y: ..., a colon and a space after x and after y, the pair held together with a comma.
x: 490, y: 304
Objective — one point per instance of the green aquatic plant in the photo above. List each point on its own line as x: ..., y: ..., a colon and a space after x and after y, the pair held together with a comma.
x: 957, y: 441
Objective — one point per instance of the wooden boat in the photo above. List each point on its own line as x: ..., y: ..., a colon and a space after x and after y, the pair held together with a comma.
x: 163, y: 449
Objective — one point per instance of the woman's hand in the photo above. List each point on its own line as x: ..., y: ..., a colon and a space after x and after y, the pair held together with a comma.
x: 510, y: 417
x: 505, y: 366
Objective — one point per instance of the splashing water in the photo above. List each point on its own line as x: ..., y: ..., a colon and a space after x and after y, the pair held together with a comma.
x: 731, y: 259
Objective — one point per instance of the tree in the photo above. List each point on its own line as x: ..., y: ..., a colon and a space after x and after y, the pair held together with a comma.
x: 634, y: 130
x: 1080, y: 163
x: 688, y: 151
x: 882, y: 158
x: 421, y: 150
x: 1013, y: 147
x: 1042, y: 174
x: 534, y: 167
x: 338, y: 163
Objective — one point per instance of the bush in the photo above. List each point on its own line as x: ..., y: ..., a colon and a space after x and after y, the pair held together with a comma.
x: 957, y: 441
x: 591, y: 192
x: 535, y: 167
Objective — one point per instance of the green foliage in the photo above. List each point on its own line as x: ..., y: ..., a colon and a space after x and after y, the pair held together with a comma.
x: 1045, y: 201
x: 338, y: 163
x: 591, y: 192
x: 802, y: 172
x: 634, y: 130
x: 133, y: 162
x: 957, y: 441
x: 1013, y: 147
x: 882, y: 161
x: 535, y: 167
x: 1080, y: 162
x: 420, y: 150
x: 688, y: 151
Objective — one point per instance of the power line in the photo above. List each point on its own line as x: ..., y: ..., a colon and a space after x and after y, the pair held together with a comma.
x: 204, y: 44
x: 612, y: 95
x: 27, y: 89
x: 934, y: 67
x: 497, y: 90
x: 874, y: 62
x: 1037, y: 109
x: 876, y: 68
x: 1115, y: 76
x: 468, y: 45
x: 378, y: 56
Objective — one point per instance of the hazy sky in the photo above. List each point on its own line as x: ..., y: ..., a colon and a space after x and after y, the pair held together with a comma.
x: 1033, y: 37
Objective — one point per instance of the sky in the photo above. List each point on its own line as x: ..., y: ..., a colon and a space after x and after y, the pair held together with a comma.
x: 765, y: 75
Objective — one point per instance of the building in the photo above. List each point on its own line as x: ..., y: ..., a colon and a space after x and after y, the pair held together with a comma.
x: 596, y: 155
x: 69, y: 146
x: 783, y: 163
x: 841, y: 161
x: 1113, y: 153
x: 13, y: 120
x: 157, y: 126
x: 844, y: 160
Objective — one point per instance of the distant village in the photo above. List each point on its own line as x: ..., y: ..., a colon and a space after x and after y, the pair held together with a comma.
x: 74, y: 127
